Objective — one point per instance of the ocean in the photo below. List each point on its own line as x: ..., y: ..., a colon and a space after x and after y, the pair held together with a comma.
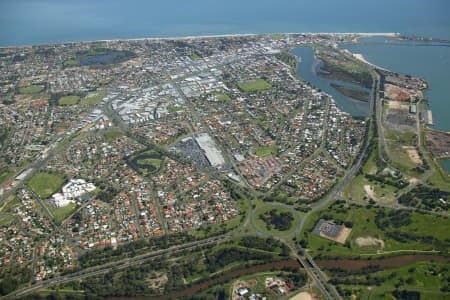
x: 25, y: 22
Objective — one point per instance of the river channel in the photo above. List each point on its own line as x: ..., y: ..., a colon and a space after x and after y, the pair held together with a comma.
x: 308, y: 69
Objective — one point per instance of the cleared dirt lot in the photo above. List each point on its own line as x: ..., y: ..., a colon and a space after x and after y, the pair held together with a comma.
x: 413, y: 154
x: 369, y: 241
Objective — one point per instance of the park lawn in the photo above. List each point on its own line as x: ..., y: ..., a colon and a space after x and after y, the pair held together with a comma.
x: 68, y: 100
x: 439, y: 180
x: 5, y: 175
x: 63, y: 212
x: 266, y: 150
x: 71, y: 62
x: 423, y: 274
x: 223, y: 97
x: 174, y: 108
x: 93, y: 98
x: 113, y: 134
x: 33, y: 89
x: 370, y: 167
x: 155, y: 162
x: 278, y: 36
x: 261, y: 224
x: 5, y: 220
x: 46, y: 184
x: 195, y: 56
x: 254, y: 86
x: 363, y: 220
x: 9, y: 205
x: 439, y: 177
x: 355, y: 190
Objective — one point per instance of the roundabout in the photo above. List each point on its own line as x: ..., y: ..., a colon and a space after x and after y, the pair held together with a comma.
x: 275, y: 220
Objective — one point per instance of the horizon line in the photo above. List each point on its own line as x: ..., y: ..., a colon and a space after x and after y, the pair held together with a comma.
x: 368, y: 34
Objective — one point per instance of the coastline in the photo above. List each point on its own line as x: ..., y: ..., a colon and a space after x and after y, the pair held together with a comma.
x: 191, y: 37
x: 361, y: 57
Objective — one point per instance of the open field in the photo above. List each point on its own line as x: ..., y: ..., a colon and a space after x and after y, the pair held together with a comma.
x: 427, y: 278
x: 5, y: 175
x: 33, y: 89
x: 413, y: 231
x: 223, y: 97
x: 93, y: 98
x: 10, y: 203
x: 397, y: 141
x: 68, y: 100
x: 46, y: 184
x: 254, y: 86
x: 112, y: 134
x: 5, y: 220
x: 363, y: 189
x: 71, y: 62
x: 62, y: 213
x: 173, y: 109
x: 266, y: 150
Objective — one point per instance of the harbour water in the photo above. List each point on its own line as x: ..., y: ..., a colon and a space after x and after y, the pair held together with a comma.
x: 445, y: 163
x: 430, y: 61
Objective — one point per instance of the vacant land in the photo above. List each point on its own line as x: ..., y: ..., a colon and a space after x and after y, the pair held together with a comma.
x: 438, y: 143
x: 397, y: 116
x: 68, y: 100
x: 46, y: 184
x: 387, y: 230
x: 33, y: 89
x: 254, y: 86
x: 62, y: 213
x: 363, y: 189
x: 397, y: 141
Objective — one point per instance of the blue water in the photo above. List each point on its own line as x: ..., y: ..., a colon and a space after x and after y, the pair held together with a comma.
x: 307, y: 69
x: 24, y: 22
x: 445, y: 163
x: 417, y: 59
